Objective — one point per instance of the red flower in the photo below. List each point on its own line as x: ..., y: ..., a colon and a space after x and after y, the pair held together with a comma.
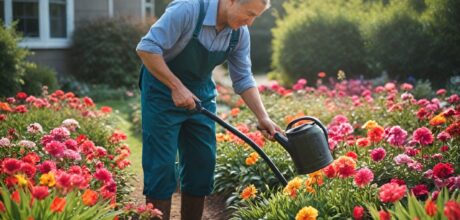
x: 443, y: 170
x: 391, y: 192
x: 358, y: 212
x: 454, y: 129
x: 398, y: 181
x: 88, y: 101
x: 21, y: 109
x: 16, y: 197
x: 58, y: 204
x: 329, y: 171
x: 11, y: 166
x: 420, y: 190
x: 21, y: 95
x: 2, y: 207
x: 28, y: 169
x: 430, y: 208
x: 423, y: 136
x: 40, y: 192
x: 321, y: 74
x: 378, y: 154
x: 47, y: 166
x: 383, y: 215
x: 363, y: 142
x: 376, y: 134
x: 352, y: 155
x: 363, y: 177
x: 452, y: 210
x: 31, y: 158
x: 106, y: 109
x: 103, y: 175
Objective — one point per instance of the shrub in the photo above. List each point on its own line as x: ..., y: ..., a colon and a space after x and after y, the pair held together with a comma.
x: 12, y: 65
x: 36, y: 77
x: 314, y: 38
x: 103, y: 52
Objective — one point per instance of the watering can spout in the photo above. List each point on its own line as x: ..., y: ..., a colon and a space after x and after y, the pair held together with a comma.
x: 282, y: 140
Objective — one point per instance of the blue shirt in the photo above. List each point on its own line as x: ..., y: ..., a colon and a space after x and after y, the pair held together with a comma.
x: 169, y: 35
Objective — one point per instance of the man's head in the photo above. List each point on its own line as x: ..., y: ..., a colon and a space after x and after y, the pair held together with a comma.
x: 243, y: 12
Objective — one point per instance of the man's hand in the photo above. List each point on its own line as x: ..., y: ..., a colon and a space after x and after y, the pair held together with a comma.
x: 182, y: 97
x: 268, y: 128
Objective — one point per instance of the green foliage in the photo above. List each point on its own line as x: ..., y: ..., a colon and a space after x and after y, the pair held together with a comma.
x: 36, y: 77
x: 12, y: 64
x: 40, y: 210
x: 317, y: 37
x: 423, y: 89
x: 103, y: 52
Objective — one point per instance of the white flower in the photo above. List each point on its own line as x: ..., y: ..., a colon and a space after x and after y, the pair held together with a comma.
x: 34, y: 128
x: 5, y: 142
x: 26, y: 143
x: 71, y: 124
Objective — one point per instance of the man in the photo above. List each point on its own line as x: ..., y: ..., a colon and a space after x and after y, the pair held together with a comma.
x: 179, y: 53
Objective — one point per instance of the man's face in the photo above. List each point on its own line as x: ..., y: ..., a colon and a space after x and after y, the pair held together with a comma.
x: 240, y: 14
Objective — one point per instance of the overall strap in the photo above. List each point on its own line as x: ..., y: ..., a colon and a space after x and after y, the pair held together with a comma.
x: 199, y: 23
x: 234, y: 39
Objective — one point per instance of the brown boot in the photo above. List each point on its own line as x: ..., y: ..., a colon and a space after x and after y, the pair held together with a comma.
x: 163, y: 205
x: 191, y: 207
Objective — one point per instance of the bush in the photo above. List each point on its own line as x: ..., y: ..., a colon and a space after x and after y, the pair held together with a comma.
x: 12, y: 65
x: 103, y: 52
x: 315, y: 39
x: 36, y: 77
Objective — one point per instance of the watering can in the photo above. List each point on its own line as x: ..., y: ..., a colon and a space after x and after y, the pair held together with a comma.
x: 307, y: 144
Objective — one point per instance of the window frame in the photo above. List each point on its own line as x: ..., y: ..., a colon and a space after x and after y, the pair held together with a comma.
x: 44, y: 41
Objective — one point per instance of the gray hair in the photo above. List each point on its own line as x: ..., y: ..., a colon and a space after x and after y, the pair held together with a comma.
x: 266, y: 2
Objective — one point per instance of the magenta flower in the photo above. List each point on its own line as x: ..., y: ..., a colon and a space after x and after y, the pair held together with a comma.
x: 378, y: 154
x: 11, y: 165
x: 46, y: 166
x: 443, y: 136
x: 363, y: 177
x: 396, y: 135
x: 55, y: 148
x: 423, y: 136
x: 103, y: 175
x: 420, y: 190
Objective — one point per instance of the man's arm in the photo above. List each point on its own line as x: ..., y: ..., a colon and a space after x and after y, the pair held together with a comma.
x: 156, y: 65
x: 252, y: 99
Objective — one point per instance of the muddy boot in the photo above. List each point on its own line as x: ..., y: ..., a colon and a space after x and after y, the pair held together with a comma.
x: 191, y: 207
x: 163, y: 205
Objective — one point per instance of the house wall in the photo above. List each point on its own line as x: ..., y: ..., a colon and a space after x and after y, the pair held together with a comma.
x: 58, y: 59
x: 131, y: 8
x: 90, y: 9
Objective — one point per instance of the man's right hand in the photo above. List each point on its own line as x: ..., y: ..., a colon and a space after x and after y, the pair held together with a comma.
x: 182, y: 97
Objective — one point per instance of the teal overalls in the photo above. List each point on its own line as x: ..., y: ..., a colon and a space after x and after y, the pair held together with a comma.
x: 167, y: 129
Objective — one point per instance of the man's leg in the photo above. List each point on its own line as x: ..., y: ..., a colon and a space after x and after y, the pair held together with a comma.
x: 164, y: 205
x: 197, y: 155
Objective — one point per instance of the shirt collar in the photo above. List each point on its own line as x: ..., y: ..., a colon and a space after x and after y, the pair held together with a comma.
x: 210, y: 18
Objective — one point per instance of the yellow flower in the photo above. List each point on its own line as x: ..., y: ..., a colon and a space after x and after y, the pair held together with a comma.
x: 341, y: 75
x: 48, y: 179
x: 307, y: 213
x: 370, y: 124
x: 249, y: 192
x: 316, y: 177
x: 22, y: 180
x: 308, y: 185
x: 252, y: 159
x: 293, y: 186
x: 438, y: 120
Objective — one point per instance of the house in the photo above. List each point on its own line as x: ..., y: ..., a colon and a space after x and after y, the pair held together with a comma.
x: 47, y: 25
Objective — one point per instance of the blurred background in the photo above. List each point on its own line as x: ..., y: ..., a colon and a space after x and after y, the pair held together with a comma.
x: 88, y: 46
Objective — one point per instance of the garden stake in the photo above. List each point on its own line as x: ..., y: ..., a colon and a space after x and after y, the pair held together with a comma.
x: 307, y: 144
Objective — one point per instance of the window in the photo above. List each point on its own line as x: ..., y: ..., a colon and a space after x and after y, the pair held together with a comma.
x: 148, y: 9
x: 58, y: 27
x: 26, y: 11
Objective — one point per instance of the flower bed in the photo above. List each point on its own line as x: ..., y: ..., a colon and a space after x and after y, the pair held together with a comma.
x: 392, y: 153
x: 62, y: 158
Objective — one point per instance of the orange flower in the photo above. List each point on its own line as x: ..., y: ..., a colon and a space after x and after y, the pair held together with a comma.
x: 5, y: 107
x: 58, y: 204
x: 293, y: 186
x: 308, y: 185
x: 290, y: 118
x: 220, y: 137
x: 430, y: 207
x: 252, y: 159
x: 370, y: 124
x: 375, y: 134
x: 89, y: 197
x: 48, y: 179
x: 234, y: 112
x: 307, y: 213
x: 316, y: 177
x: 249, y: 192
x: 438, y: 120
x: 345, y: 166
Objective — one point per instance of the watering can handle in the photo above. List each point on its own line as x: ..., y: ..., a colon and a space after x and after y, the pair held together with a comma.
x: 317, y: 121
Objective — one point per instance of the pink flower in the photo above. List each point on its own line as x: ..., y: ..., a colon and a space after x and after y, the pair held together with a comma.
x: 358, y: 212
x: 403, y: 159
x: 406, y: 86
x: 391, y: 192
x: 453, y: 99
x: 423, y: 136
x: 63, y: 180
x: 378, y: 154
x: 396, y: 135
x: 71, y: 154
x: 398, y: 181
x: 40, y: 192
x: 55, y: 148
x: 363, y: 177
x: 5, y: 142
x: 441, y: 92
x: 60, y: 134
x: 444, y: 148
x: 46, y: 166
x: 103, y: 175
x: 420, y: 190
x: 444, y: 136
x: 71, y: 144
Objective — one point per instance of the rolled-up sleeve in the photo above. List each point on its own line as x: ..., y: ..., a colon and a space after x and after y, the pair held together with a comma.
x: 239, y: 64
x: 165, y: 32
